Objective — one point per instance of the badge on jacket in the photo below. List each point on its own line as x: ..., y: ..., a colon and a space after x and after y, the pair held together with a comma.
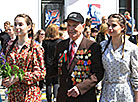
x: 61, y: 61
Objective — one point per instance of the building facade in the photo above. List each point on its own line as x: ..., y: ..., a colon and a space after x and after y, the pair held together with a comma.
x: 87, y: 9
x: 44, y: 12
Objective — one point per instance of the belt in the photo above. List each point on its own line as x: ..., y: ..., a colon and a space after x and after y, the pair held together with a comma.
x: 116, y: 82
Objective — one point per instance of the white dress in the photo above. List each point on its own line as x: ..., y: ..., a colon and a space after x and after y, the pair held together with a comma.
x: 121, y: 75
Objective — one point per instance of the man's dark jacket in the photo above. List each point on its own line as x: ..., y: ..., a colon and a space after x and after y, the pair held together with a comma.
x: 85, y: 71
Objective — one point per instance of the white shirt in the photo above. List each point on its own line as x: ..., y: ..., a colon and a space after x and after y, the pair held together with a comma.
x: 77, y: 42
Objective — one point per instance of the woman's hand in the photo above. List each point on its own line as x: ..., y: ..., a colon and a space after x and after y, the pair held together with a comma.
x: 7, y: 82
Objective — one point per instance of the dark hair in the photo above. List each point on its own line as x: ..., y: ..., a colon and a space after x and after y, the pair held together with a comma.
x: 94, y: 30
x: 7, y: 22
x: 122, y: 22
x: 63, y: 27
x: 37, y: 35
x: 88, y: 22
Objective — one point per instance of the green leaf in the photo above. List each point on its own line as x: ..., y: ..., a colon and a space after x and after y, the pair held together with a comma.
x: 15, y: 75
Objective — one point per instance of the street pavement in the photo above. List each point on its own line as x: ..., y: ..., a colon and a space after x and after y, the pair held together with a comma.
x: 2, y: 93
x: 4, y: 96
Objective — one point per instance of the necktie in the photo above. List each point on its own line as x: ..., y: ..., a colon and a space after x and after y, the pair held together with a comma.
x: 72, y: 52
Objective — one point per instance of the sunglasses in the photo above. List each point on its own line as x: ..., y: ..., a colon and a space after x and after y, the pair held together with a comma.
x: 42, y: 34
x: 88, y: 33
x: 126, y: 14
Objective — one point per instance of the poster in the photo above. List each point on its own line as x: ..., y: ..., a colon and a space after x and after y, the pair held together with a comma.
x: 94, y: 13
x: 52, y: 17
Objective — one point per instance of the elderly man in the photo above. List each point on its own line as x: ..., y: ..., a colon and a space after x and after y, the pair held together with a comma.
x: 79, y: 64
x: 104, y: 20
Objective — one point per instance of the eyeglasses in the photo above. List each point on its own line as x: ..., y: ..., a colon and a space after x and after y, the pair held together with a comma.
x: 62, y: 28
x: 126, y: 14
x: 42, y: 34
x: 88, y: 33
x: 104, y: 19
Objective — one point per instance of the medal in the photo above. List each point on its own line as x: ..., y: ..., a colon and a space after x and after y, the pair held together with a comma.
x: 81, y: 52
x: 75, y: 73
x: 74, y: 82
x: 89, y: 62
x: 79, y: 73
x: 78, y: 52
x: 85, y: 63
x: 80, y: 80
x: 77, y: 80
x: 81, y: 57
x: 77, y: 56
x: 82, y: 62
x: 85, y: 50
x: 80, y: 76
x: 86, y: 57
x: 89, y: 51
x: 87, y: 69
x: 73, y: 79
x: 82, y: 73
x: 89, y: 55
x: 76, y: 68
x: 78, y: 63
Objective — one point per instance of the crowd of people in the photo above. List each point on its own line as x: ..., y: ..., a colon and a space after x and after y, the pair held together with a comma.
x: 79, y: 61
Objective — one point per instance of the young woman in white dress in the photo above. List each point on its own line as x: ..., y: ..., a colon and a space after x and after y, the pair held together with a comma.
x: 120, y: 60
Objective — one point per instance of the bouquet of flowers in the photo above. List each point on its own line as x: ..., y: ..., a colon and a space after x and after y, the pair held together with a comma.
x: 7, y: 71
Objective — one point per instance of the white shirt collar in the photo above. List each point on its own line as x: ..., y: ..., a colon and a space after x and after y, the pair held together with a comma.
x: 127, y: 45
x: 78, y: 41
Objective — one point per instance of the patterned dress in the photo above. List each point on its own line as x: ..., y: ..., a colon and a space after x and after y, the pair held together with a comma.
x: 33, y: 66
x: 121, y: 75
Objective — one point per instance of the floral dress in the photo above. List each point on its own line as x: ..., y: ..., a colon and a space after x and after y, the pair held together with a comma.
x: 121, y: 75
x: 32, y: 62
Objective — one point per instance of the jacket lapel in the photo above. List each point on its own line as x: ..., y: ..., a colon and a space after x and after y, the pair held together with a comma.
x: 75, y: 60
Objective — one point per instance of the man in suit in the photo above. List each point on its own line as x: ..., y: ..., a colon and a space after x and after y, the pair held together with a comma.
x: 80, y: 74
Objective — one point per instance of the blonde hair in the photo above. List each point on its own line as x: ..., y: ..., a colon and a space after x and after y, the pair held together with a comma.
x: 103, y: 28
x: 52, y: 32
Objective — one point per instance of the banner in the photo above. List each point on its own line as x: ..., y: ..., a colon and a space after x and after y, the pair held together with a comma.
x: 94, y: 13
x: 52, y: 17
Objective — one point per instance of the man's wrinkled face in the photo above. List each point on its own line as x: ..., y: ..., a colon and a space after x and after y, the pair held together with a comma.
x: 74, y: 29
